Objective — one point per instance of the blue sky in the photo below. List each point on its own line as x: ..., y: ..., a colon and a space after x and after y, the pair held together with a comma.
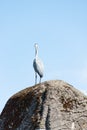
x: 60, y: 29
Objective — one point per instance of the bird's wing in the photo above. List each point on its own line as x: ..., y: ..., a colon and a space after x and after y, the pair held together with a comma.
x: 38, y: 67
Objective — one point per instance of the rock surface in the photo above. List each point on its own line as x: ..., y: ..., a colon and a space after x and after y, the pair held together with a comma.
x: 52, y: 105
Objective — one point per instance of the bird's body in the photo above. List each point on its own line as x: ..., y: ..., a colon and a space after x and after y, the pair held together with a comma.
x: 38, y: 65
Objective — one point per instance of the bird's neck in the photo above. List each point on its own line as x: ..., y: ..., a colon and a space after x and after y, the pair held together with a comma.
x: 36, y: 53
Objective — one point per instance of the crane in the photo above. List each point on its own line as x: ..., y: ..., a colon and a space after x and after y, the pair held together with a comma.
x: 38, y: 65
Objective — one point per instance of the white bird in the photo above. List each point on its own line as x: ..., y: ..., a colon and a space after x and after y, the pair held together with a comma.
x: 38, y: 65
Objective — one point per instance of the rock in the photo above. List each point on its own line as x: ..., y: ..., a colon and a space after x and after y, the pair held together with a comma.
x: 52, y: 105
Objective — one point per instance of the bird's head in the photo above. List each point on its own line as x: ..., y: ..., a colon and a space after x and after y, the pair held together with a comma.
x: 36, y: 45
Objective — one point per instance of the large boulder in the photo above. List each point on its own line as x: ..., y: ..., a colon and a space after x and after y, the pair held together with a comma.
x: 52, y: 105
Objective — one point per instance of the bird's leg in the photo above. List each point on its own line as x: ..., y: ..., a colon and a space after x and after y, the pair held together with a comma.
x: 40, y: 80
x: 35, y: 78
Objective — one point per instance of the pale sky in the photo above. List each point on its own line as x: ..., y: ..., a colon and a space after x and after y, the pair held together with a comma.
x: 60, y: 29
